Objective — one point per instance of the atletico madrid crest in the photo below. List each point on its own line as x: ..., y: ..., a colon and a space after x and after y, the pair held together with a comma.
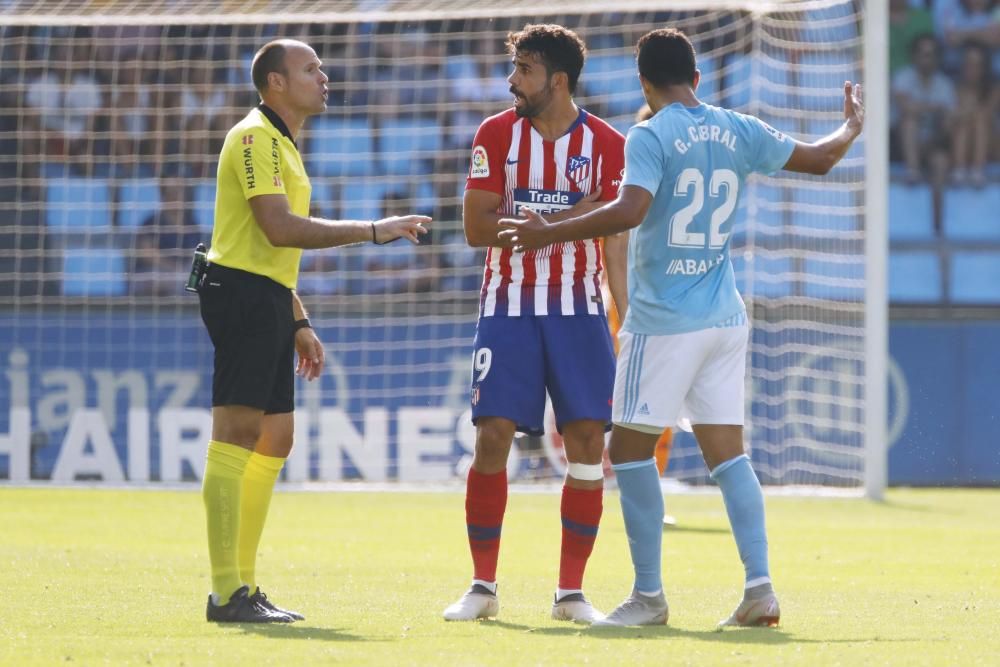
x: 578, y: 169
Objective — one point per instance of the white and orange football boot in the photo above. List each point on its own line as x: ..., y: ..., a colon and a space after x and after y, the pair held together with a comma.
x: 762, y: 612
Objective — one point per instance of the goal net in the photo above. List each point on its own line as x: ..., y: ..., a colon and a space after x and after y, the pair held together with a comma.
x: 111, y: 119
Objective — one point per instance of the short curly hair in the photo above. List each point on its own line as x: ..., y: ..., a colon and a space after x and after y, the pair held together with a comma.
x: 560, y: 49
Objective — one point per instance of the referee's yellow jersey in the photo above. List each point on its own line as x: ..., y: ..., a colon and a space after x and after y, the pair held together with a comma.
x: 258, y: 158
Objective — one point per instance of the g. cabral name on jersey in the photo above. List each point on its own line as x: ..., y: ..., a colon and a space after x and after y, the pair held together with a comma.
x: 511, y: 159
x: 700, y: 133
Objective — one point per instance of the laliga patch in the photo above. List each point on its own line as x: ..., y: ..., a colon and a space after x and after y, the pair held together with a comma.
x: 480, y: 163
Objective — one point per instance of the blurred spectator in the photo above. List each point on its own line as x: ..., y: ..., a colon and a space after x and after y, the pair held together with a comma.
x: 125, y: 43
x: 164, y: 242
x: 961, y: 22
x: 924, y: 106
x: 476, y: 76
x: 343, y: 94
x: 10, y: 114
x: 22, y: 240
x: 203, y: 107
x: 397, y: 267
x: 906, y: 23
x: 133, y: 122
x: 324, y: 271
x: 461, y: 266
x: 481, y: 74
x: 65, y: 96
x: 477, y: 87
x: 977, y: 105
x: 408, y: 76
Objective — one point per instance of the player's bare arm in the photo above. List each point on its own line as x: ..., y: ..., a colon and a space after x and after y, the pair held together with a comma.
x: 481, y: 220
x: 621, y: 215
x: 616, y: 268
x: 284, y: 229
x: 307, y: 344
x: 819, y: 157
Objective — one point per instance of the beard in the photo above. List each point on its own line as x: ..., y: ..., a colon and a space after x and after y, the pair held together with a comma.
x: 532, y: 106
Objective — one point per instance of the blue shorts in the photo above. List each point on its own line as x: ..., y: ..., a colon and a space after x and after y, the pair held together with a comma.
x: 516, y: 359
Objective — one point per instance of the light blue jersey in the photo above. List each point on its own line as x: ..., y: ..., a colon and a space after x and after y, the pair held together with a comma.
x: 694, y: 161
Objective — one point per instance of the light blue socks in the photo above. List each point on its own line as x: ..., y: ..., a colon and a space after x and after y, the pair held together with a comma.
x: 745, y: 506
x: 642, y: 507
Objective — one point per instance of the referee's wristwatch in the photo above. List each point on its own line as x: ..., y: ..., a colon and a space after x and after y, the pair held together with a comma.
x: 302, y: 324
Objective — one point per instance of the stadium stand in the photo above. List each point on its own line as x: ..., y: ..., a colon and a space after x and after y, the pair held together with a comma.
x: 81, y: 205
x: 975, y: 278
x: 94, y: 272
x: 915, y: 277
x: 971, y: 214
x: 436, y: 89
x: 137, y: 200
x: 341, y: 147
x: 204, y: 203
x: 911, y: 212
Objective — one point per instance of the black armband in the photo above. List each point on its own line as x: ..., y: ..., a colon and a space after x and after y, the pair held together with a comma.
x: 302, y: 324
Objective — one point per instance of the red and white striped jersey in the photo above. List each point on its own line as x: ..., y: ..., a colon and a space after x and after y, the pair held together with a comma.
x: 511, y: 159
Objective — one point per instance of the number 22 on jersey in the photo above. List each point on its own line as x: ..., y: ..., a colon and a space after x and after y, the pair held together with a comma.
x: 723, y: 187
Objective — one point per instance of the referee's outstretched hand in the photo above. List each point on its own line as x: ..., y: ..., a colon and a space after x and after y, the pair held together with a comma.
x: 410, y: 227
x: 527, y: 233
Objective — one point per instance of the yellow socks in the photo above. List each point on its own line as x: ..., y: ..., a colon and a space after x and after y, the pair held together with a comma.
x: 237, y: 492
x: 221, y: 489
x: 258, y: 482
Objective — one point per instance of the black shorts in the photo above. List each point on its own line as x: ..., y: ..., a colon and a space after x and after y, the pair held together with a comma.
x: 250, y: 321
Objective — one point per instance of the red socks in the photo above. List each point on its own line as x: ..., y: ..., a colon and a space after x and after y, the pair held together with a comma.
x: 581, y: 515
x: 485, y: 502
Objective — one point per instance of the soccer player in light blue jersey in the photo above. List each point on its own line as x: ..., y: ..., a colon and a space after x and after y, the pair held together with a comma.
x: 685, y: 335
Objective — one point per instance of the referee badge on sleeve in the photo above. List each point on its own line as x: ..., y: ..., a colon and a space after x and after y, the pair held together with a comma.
x: 480, y: 163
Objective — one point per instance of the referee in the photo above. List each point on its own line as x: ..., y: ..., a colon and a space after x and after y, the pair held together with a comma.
x: 257, y: 322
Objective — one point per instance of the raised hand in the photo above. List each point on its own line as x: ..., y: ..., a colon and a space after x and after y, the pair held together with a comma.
x: 854, y: 107
x: 410, y: 227
x: 526, y: 233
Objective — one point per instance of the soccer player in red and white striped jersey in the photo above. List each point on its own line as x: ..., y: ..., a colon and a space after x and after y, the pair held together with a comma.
x: 513, y: 160
x: 542, y: 323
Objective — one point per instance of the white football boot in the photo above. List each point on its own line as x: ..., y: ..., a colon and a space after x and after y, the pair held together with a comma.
x: 574, y: 607
x: 478, y: 602
x: 638, y: 609
x: 762, y: 612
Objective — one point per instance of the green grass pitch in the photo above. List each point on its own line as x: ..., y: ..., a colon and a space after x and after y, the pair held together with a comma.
x: 121, y: 576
